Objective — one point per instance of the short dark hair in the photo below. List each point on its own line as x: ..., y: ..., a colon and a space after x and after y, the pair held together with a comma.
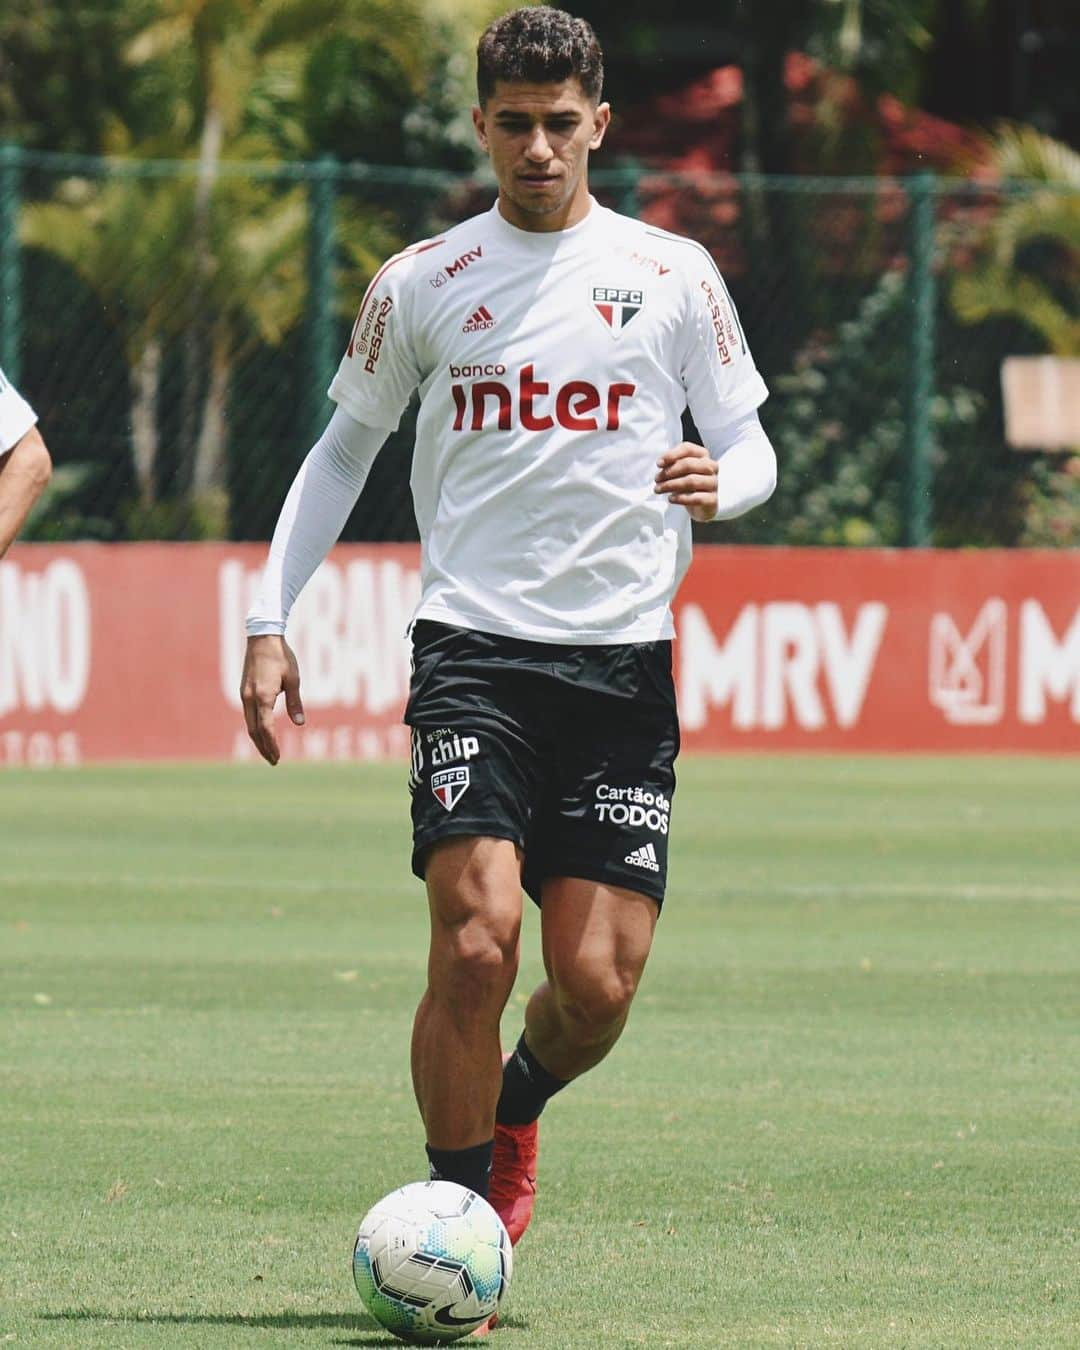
x: 539, y: 45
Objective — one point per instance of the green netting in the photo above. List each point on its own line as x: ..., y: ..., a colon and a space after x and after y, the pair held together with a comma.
x: 176, y: 337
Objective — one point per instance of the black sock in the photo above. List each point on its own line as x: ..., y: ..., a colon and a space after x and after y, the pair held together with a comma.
x: 469, y: 1167
x: 527, y: 1085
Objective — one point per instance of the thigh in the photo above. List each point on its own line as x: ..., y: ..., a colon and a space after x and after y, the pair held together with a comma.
x: 474, y: 895
x: 593, y: 933
x: 606, y: 813
x: 475, y: 764
x: 468, y: 780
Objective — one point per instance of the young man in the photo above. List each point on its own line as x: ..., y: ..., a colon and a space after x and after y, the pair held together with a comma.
x: 555, y: 345
x: 25, y: 467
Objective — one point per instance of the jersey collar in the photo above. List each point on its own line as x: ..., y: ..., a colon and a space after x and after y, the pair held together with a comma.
x: 546, y: 241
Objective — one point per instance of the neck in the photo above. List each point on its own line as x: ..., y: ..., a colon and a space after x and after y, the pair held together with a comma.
x: 571, y: 213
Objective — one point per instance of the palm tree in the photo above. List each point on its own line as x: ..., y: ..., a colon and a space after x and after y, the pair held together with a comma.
x: 1031, y: 273
x: 1010, y: 281
x: 209, y: 262
x: 226, y: 54
x: 127, y: 240
x: 255, y: 293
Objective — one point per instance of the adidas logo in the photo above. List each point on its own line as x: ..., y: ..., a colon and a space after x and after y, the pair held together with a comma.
x: 480, y: 320
x: 645, y: 856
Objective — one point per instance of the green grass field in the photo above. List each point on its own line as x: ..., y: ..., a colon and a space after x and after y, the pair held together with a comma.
x: 846, y: 1111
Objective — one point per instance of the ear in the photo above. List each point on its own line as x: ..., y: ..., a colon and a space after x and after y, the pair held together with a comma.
x: 601, y: 121
x: 479, y: 122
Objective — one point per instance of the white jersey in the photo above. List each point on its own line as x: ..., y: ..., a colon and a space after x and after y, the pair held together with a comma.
x: 553, y: 371
x: 16, y: 415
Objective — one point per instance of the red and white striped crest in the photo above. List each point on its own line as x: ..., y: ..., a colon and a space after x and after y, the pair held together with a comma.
x: 449, y: 786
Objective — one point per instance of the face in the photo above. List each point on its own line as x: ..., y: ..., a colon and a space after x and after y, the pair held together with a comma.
x: 538, y: 138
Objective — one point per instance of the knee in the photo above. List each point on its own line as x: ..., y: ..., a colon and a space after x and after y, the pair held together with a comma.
x: 477, y: 953
x: 594, y: 1003
x: 475, y: 927
x: 473, y: 964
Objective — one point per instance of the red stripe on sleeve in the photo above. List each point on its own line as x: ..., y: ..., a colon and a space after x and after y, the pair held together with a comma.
x: 412, y: 252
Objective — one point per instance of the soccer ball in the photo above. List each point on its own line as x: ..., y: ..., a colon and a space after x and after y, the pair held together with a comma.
x: 432, y: 1262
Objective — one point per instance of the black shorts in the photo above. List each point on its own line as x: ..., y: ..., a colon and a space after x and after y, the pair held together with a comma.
x: 567, y: 751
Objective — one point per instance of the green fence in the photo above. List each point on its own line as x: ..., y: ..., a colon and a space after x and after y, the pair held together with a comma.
x: 176, y: 334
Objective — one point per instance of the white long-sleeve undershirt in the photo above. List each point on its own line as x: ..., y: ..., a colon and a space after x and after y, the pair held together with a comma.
x: 318, y: 504
x: 746, y: 472
x: 332, y: 476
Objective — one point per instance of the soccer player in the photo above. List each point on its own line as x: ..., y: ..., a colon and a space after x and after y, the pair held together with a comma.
x: 555, y: 345
x: 25, y: 466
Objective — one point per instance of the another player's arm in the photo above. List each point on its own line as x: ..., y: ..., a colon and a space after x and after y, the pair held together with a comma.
x: 318, y: 504
x: 25, y: 469
x: 730, y: 475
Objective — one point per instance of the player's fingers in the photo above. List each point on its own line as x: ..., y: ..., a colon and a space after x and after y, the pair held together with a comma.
x: 685, y: 466
x: 266, y: 742
x: 681, y: 451
x: 684, y: 450
x: 251, y: 711
x: 690, y: 482
x: 675, y: 459
x: 253, y: 721
x: 701, y: 505
x: 263, y: 735
x: 677, y: 453
x: 687, y: 483
x: 293, y: 705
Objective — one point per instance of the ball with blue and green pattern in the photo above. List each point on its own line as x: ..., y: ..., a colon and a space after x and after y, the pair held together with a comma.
x: 432, y: 1262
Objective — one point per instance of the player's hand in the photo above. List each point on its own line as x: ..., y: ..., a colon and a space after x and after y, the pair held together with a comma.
x: 687, y: 476
x: 269, y: 669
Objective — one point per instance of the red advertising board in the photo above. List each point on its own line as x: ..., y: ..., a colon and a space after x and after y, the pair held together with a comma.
x: 111, y: 652
x: 845, y: 649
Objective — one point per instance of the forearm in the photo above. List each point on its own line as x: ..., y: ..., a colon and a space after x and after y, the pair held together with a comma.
x: 318, y: 504
x: 746, y: 466
x: 24, y: 472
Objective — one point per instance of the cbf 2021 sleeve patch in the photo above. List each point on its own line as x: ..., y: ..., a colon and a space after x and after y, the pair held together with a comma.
x: 378, y: 372
x: 715, y: 365
x: 718, y: 371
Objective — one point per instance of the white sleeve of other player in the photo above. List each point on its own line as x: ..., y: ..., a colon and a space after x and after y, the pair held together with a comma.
x: 746, y: 465
x: 379, y: 371
x: 717, y: 371
x: 323, y: 493
x: 16, y: 416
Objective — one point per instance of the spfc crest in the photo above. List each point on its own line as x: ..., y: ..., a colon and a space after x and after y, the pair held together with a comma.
x: 449, y: 786
x: 616, y: 306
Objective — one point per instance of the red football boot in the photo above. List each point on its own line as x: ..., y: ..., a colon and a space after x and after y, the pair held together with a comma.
x: 512, y: 1189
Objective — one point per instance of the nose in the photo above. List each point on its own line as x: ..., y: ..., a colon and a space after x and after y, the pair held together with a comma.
x: 538, y: 150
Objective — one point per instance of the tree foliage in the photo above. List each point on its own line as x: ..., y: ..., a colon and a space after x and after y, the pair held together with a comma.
x: 201, y: 270
x: 200, y: 280
x: 1028, y: 272
x: 1029, y: 268
x: 838, y: 426
x: 63, y: 76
